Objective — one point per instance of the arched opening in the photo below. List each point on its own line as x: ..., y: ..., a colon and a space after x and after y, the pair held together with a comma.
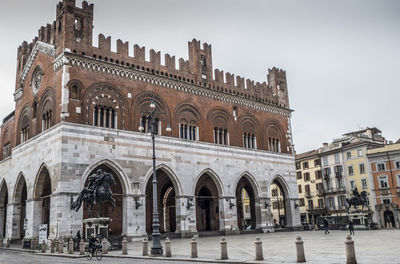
x: 389, y: 219
x: 20, y: 207
x: 3, y: 209
x: 165, y: 203
x: 278, y: 204
x: 105, y: 209
x: 207, y: 204
x: 42, y: 194
x: 245, y: 205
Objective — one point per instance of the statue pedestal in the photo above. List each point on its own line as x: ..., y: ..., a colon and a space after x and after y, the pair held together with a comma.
x: 360, y: 220
x: 97, y: 226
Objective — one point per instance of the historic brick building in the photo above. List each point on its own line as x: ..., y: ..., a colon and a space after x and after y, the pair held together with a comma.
x: 79, y: 107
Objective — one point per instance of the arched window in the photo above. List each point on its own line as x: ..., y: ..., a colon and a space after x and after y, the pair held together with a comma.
x: 221, y: 136
x: 74, y: 92
x: 274, y: 145
x: 249, y: 140
x: 46, y: 120
x: 25, y: 129
x: 188, y: 131
x: 144, y: 122
x: 104, y: 116
x: 6, y: 150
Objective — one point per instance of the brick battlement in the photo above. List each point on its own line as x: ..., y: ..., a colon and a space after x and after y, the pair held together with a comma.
x: 72, y: 30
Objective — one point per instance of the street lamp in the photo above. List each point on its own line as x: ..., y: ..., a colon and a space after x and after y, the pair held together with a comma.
x: 156, y: 248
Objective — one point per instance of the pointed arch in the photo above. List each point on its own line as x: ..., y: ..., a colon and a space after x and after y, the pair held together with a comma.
x: 40, y: 181
x: 283, y: 183
x: 18, y: 188
x: 115, y: 167
x: 3, y: 191
x: 24, y: 129
x: 214, y: 176
x: 252, y: 180
x: 3, y: 207
x: 171, y: 174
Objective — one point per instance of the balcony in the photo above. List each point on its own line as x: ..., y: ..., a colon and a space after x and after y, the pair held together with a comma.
x: 308, y: 194
x: 338, y: 175
x: 335, y: 190
x: 316, y: 209
x: 320, y: 192
x: 386, y: 191
x: 337, y: 208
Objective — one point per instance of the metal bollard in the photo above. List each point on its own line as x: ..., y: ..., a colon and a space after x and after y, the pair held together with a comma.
x: 300, y: 250
x: 145, y: 251
x: 259, y: 251
x: 52, y: 245
x: 124, y: 246
x: 44, y: 247
x: 8, y: 243
x: 22, y: 243
x: 224, y: 249
x: 81, y: 247
x: 167, y: 247
x: 350, y: 251
x: 193, y: 246
x: 61, y: 245
x: 104, y: 246
x: 71, y: 246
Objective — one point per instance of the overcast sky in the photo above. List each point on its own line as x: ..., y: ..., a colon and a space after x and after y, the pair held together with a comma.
x: 342, y: 58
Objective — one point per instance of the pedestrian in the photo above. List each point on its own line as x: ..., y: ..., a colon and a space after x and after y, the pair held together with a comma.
x: 326, y: 226
x: 351, y: 227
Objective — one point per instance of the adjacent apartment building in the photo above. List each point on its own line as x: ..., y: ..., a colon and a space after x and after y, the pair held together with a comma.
x: 330, y: 174
x: 384, y: 163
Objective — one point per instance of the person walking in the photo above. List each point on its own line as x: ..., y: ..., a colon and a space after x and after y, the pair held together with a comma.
x: 326, y: 226
x: 351, y: 227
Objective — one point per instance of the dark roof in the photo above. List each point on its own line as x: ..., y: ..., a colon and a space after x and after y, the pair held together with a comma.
x: 398, y: 141
x: 306, y: 154
x: 8, y: 117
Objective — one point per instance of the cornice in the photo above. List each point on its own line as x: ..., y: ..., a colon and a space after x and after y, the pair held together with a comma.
x: 91, y: 64
x: 39, y: 47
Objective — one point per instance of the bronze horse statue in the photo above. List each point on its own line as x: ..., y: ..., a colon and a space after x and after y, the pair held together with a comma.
x: 358, y: 199
x: 98, y: 192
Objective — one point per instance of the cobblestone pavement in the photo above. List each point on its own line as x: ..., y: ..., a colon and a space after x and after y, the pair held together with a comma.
x: 377, y: 247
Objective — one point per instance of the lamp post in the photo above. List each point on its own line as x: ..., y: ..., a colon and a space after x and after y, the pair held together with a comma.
x: 156, y: 247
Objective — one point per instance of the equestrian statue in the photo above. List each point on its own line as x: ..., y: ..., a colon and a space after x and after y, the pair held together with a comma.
x: 358, y: 199
x: 97, y: 192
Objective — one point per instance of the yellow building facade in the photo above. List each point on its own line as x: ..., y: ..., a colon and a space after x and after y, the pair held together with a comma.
x: 310, y: 186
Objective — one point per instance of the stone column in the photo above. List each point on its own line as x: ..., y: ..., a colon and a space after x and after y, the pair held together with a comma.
x: 61, y: 246
x: 185, y: 216
x: 168, y: 247
x: 81, y: 247
x: 71, y: 246
x: 52, y: 246
x: 145, y: 250
x: 124, y: 246
x: 300, y: 250
x: 350, y: 251
x: 104, y: 245
x: 193, y: 248
x: 259, y: 251
x: 224, y: 249
x: 13, y: 220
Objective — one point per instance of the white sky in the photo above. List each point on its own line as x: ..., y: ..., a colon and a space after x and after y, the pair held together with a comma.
x: 342, y: 57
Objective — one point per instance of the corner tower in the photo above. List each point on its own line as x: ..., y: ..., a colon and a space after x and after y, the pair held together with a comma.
x: 74, y: 26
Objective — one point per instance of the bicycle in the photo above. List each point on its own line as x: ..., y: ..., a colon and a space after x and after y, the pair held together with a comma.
x: 98, y: 253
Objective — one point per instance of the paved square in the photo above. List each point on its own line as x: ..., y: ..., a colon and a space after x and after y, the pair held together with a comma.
x: 377, y: 246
